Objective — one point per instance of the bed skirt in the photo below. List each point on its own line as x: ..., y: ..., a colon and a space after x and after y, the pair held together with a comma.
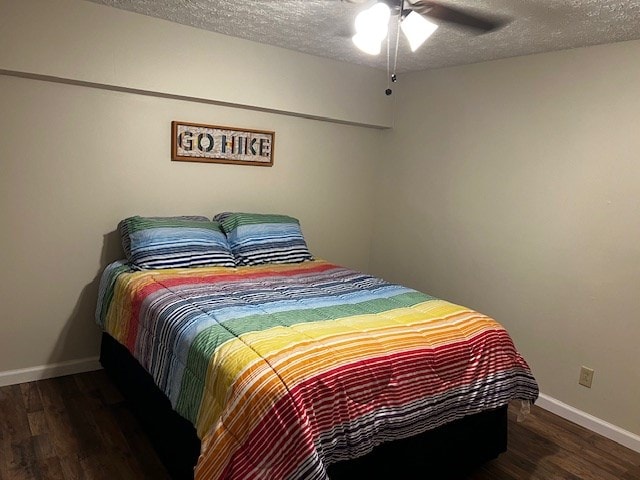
x: 448, y: 452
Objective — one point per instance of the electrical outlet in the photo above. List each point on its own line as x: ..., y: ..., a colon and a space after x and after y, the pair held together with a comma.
x: 586, y: 376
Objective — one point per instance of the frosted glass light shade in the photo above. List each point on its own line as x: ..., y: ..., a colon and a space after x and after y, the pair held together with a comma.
x: 372, y: 26
x: 417, y: 29
x: 367, y: 43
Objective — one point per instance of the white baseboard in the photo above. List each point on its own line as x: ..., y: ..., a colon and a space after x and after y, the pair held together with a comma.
x: 22, y: 375
x: 606, y: 429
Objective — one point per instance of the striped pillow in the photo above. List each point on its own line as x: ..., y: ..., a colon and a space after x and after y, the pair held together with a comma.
x: 173, y: 242
x: 260, y: 238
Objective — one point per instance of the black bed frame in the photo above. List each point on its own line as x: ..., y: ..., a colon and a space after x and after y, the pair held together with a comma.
x: 448, y: 452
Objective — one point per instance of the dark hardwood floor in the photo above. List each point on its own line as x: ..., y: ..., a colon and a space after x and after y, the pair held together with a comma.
x: 78, y: 427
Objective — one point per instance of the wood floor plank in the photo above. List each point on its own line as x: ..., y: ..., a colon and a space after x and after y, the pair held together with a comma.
x: 51, y: 469
x: 79, y: 427
x: 22, y: 462
x: 18, y: 455
x: 633, y: 474
x: 44, y: 448
x: 71, y: 468
x: 37, y: 422
x: 31, y: 397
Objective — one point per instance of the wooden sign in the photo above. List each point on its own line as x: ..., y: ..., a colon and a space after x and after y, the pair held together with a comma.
x: 193, y: 142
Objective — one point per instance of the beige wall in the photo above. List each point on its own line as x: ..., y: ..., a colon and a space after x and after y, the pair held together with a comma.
x: 81, y: 41
x: 74, y: 160
x: 514, y: 187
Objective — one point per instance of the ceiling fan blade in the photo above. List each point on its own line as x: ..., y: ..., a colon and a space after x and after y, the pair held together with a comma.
x: 457, y: 16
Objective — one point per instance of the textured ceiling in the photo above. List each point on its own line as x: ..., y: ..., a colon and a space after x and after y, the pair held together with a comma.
x: 324, y: 27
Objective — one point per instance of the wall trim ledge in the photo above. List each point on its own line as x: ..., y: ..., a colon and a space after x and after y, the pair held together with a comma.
x: 185, y: 98
x: 41, y: 372
x: 595, y: 424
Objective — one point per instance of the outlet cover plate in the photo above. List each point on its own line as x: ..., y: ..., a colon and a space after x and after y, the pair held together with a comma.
x: 586, y: 377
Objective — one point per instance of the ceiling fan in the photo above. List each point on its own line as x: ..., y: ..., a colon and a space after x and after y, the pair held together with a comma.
x: 454, y: 15
x: 414, y: 20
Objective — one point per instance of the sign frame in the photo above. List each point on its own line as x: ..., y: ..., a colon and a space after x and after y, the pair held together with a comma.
x: 197, y: 142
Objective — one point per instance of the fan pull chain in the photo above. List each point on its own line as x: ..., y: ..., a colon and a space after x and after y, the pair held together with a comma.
x: 388, y: 91
x: 395, y: 57
x: 393, y: 76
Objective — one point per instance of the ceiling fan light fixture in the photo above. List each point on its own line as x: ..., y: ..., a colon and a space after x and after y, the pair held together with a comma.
x: 417, y: 29
x: 372, y: 26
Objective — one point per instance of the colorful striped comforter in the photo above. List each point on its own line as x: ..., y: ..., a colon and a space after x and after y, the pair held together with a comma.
x: 286, y: 369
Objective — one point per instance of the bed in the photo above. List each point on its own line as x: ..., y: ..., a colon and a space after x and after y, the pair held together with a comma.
x: 302, y: 369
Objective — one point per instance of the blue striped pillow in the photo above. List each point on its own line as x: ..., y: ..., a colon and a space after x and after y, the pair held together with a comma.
x: 173, y: 242
x: 261, y: 238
